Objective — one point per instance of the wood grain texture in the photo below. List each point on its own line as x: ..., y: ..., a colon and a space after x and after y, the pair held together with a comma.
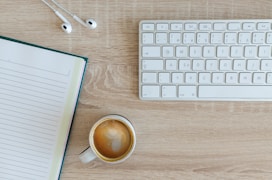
x: 175, y: 140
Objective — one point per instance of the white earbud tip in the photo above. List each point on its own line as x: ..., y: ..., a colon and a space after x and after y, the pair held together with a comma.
x: 91, y: 24
x: 66, y: 27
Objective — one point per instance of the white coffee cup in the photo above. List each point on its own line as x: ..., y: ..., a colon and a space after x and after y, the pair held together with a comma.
x: 112, y: 139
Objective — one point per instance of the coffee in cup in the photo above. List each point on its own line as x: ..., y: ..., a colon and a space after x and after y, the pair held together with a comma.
x: 112, y: 139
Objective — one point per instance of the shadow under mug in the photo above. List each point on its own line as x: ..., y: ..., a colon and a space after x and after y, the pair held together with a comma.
x: 112, y: 139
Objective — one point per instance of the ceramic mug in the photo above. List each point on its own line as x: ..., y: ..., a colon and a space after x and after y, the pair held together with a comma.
x: 112, y: 139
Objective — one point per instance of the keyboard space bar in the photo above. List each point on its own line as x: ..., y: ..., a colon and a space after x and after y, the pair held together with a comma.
x: 235, y: 92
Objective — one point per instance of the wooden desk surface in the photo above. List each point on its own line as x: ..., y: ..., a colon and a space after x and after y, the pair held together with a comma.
x: 175, y: 140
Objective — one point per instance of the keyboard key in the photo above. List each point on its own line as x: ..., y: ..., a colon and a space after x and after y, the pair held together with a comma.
x: 195, y: 51
x: 161, y: 38
x: 205, y: 26
x: 231, y: 78
x: 204, y: 78
x: 169, y: 91
x: 149, y: 77
x: 151, y: 51
x: 148, y: 38
x: 244, y: 38
x: 190, y: 26
x: 250, y: 51
x: 222, y: 51
x: 176, y: 26
x: 245, y: 78
x: 237, y: 92
x: 202, y: 38
x: 167, y: 51
x: 269, y: 78
x: 216, y: 38
x: 263, y: 26
x: 249, y: 26
x: 225, y: 64
x: 150, y: 91
x: 218, y: 78
x: 171, y: 65
x: 258, y: 38
x: 181, y: 51
x: 152, y: 64
x: 258, y: 78
x: 253, y: 65
x: 164, y: 78
x: 219, y: 26
x: 211, y: 65
x: 177, y: 78
x: 148, y: 27
x: 266, y: 65
x: 162, y: 27
x: 184, y: 65
x: 208, y: 51
x: 236, y: 51
x: 190, y: 78
x: 269, y: 38
x: 230, y: 38
x: 198, y: 65
x: 188, y: 38
x: 234, y: 26
x: 175, y: 38
x: 264, y: 51
x: 187, y: 92
x: 239, y: 65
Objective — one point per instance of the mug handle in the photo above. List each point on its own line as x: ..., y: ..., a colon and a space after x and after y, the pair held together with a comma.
x: 87, y: 155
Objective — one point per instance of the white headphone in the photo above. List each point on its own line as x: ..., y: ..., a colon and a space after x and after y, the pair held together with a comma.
x: 66, y: 26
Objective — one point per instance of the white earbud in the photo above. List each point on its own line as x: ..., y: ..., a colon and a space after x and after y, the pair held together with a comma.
x: 66, y: 25
x: 89, y: 23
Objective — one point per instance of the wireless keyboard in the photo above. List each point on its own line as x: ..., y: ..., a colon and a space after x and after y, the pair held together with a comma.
x: 205, y: 60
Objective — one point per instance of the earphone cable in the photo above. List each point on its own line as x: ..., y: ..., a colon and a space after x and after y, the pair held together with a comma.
x: 61, y: 7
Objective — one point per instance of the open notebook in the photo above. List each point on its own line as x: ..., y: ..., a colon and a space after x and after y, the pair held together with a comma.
x: 39, y: 88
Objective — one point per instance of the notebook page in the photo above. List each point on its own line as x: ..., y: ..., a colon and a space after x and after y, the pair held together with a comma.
x: 35, y: 92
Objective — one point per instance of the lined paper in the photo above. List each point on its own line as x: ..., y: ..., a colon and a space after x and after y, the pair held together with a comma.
x: 33, y: 96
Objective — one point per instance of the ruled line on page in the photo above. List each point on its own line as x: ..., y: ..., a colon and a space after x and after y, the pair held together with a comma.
x: 32, y: 67
x: 13, y: 175
x: 36, y: 81
x: 35, y: 116
x: 30, y: 125
x: 58, y: 96
x: 29, y: 109
x: 23, y: 167
x: 31, y: 85
x: 30, y: 100
x: 26, y: 140
x: 23, y: 103
x: 25, y: 148
x: 23, y: 172
x: 33, y: 130
x: 40, y: 165
x: 21, y: 157
x: 40, y: 156
x: 41, y: 123
x: 19, y: 72
x: 33, y: 140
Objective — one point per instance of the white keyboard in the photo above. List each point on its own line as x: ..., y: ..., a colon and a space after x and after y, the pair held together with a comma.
x: 205, y: 60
